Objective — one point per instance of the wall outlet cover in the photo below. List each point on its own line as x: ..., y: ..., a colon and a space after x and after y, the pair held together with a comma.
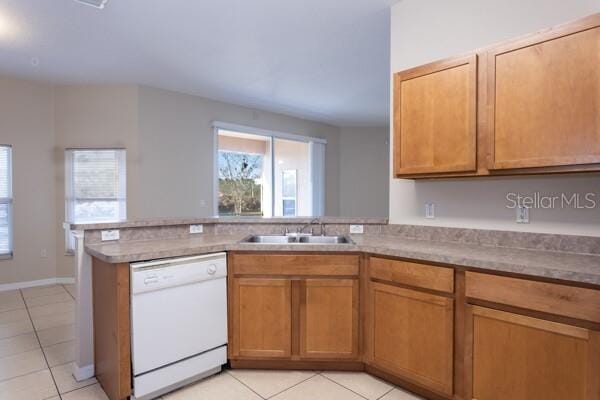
x: 429, y: 210
x: 522, y: 215
x: 196, y: 229
x: 112, y: 234
x: 357, y: 229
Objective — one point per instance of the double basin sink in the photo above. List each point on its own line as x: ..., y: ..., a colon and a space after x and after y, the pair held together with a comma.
x: 297, y: 239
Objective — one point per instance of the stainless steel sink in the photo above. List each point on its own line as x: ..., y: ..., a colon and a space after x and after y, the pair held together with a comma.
x: 281, y: 239
x: 325, y: 240
x: 270, y: 239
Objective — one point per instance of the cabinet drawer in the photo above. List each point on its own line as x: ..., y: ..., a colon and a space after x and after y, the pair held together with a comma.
x: 552, y: 298
x: 413, y: 274
x: 295, y: 264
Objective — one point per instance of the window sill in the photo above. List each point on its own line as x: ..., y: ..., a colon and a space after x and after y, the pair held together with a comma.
x: 6, y: 256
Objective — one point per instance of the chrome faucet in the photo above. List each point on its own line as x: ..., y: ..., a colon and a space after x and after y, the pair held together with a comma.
x: 313, y: 222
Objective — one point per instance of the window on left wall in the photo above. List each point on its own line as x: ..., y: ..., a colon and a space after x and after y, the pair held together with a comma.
x: 95, y: 186
x: 5, y: 202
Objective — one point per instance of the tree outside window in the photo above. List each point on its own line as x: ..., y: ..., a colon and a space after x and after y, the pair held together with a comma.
x: 240, y: 186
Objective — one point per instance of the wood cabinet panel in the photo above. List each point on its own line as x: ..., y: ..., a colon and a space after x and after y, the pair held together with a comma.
x: 296, y: 264
x: 522, y: 358
x: 568, y: 301
x: 435, y: 118
x: 413, y: 274
x: 112, y: 332
x: 329, y: 313
x: 412, y: 335
x: 544, y: 94
x: 261, y: 317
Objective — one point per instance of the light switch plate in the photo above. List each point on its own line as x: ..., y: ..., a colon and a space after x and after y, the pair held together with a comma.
x: 522, y: 215
x: 357, y: 229
x: 429, y: 210
x: 196, y: 229
x: 112, y: 234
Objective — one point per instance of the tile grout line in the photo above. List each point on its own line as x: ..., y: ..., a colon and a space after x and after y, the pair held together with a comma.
x: 294, y: 385
x: 51, y: 304
x: 67, y: 290
x: 339, y: 384
x: 22, y: 375
x: 41, y: 348
x: 386, y: 393
x: 252, y: 390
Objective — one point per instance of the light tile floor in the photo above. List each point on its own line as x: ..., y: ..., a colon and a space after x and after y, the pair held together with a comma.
x: 290, y: 385
x: 37, y: 346
x: 37, y: 351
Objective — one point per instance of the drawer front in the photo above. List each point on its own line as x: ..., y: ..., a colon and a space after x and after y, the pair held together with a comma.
x: 295, y: 264
x: 413, y: 274
x: 552, y: 298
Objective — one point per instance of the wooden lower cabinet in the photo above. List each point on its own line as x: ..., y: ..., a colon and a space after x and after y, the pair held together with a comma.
x: 262, y: 317
x: 412, y: 335
x: 434, y: 330
x: 521, y: 358
x: 329, y: 312
x: 294, y: 307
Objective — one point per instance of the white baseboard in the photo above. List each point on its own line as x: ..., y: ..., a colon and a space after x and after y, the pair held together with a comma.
x: 41, y: 282
x: 83, y: 373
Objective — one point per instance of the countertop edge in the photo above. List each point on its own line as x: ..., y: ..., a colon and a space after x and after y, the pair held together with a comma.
x: 226, y: 220
x: 461, y: 262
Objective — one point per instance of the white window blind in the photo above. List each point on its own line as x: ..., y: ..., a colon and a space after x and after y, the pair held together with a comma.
x: 5, y: 202
x: 317, y: 174
x: 95, y: 186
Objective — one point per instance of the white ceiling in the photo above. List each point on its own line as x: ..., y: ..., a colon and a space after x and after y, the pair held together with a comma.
x: 326, y: 60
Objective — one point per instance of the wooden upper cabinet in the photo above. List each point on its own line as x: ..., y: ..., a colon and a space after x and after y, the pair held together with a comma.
x: 435, y: 118
x: 544, y: 99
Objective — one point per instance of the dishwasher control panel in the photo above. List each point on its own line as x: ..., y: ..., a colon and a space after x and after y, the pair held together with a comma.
x: 154, y: 275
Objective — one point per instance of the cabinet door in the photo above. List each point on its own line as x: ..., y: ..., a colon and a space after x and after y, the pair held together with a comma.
x: 435, y: 118
x: 329, y: 318
x: 544, y: 95
x: 262, y: 317
x: 413, y: 335
x: 521, y: 358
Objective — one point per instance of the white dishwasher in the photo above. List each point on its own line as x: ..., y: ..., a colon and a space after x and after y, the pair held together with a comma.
x: 178, y: 322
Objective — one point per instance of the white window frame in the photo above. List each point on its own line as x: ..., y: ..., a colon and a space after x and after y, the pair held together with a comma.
x: 295, y: 197
x: 317, y: 180
x: 9, y: 200
x: 70, y: 198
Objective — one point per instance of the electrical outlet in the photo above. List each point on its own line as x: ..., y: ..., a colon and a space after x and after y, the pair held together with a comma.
x: 196, y: 229
x: 522, y: 215
x: 357, y: 229
x: 429, y: 210
x: 44, y: 253
x: 112, y: 234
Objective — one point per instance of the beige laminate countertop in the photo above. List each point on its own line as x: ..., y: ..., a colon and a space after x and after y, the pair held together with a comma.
x: 571, y: 267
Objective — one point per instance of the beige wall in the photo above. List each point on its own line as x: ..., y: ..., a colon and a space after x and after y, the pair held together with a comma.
x: 426, y: 30
x: 364, y: 173
x: 175, y: 134
x: 27, y: 123
x: 94, y: 116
